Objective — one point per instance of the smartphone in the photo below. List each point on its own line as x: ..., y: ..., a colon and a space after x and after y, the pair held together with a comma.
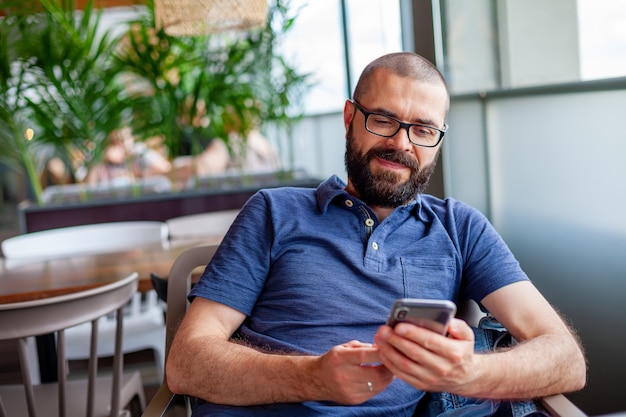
x: 431, y: 314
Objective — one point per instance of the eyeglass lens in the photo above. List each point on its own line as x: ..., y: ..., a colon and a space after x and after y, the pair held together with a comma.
x: 386, y: 126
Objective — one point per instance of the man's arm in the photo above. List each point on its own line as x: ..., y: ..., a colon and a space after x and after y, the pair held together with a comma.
x: 547, y: 360
x: 203, y: 363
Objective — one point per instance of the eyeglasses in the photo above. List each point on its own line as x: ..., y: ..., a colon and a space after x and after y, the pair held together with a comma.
x: 387, y: 126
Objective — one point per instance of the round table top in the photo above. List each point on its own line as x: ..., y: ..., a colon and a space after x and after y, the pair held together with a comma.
x: 32, y: 279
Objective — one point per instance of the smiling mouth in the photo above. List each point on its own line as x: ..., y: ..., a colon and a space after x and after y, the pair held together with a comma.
x: 390, y: 164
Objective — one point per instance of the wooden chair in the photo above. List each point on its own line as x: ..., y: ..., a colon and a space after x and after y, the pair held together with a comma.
x: 164, y: 402
x: 167, y: 404
x: 92, y: 396
x: 144, y: 326
x: 84, y: 239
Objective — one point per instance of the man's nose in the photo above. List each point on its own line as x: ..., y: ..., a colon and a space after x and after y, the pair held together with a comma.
x: 400, y: 140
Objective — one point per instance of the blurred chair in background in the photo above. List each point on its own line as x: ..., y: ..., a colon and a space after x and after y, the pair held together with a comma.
x: 91, y: 396
x: 212, y: 223
x: 144, y: 325
x: 165, y: 403
x: 194, y: 226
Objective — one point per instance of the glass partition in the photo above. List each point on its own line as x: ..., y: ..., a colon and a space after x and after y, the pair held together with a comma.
x: 503, y: 44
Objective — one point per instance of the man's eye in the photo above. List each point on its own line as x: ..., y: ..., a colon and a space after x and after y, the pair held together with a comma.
x: 383, y: 122
x: 424, y: 131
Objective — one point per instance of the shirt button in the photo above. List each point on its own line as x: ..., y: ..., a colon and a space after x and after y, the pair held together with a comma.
x: 369, y: 222
x: 374, y: 245
x: 349, y: 203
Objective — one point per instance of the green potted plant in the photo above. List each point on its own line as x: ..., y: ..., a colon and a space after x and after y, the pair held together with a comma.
x: 72, y: 83
x: 59, y: 82
x: 16, y: 146
x: 201, y: 87
x: 77, y: 83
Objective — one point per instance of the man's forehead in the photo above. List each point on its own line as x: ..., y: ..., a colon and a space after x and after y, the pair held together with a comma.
x: 394, y: 94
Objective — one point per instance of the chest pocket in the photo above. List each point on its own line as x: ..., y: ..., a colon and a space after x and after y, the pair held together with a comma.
x: 435, y: 278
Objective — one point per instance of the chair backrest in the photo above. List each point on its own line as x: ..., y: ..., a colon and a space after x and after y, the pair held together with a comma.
x: 178, y: 285
x: 55, y: 314
x: 83, y: 239
x: 143, y: 313
x: 201, y: 225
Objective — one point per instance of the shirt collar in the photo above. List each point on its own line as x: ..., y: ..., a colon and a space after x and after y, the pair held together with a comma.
x: 328, y: 190
x: 334, y: 187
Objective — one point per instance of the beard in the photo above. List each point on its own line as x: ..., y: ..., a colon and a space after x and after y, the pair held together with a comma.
x: 385, y: 189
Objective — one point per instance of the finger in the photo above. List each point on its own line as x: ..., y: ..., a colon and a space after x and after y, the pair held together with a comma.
x: 404, y: 355
x: 408, y: 331
x: 370, y: 357
x: 413, y: 354
x: 356, y: 344
x: 379, y: 376
x: 410, y: 334
x: 357, y: 353
x: 360, y: 383
x: 376, y: 386
x: 411, y: 362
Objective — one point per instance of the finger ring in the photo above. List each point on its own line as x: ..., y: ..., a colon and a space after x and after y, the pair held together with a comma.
x: 370, y: 386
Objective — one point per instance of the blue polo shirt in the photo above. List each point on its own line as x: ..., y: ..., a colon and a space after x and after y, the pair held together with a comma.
x: 314, y: 268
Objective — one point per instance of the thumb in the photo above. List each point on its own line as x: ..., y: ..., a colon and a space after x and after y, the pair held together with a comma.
x: 460, y: 330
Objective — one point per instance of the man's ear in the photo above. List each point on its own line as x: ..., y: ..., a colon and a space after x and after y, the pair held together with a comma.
x: 348, y: 114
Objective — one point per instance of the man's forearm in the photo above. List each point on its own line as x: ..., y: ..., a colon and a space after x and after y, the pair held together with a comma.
x: 548, y: 360
x: 545, y: 365
x: 228, y: 373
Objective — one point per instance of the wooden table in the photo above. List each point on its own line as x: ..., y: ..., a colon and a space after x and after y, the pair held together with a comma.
x: 36, y: 279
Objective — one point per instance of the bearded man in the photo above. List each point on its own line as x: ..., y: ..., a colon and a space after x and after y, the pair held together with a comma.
x: 288, y: 318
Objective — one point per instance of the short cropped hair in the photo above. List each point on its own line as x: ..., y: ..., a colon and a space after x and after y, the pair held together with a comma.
x: 404, y: 64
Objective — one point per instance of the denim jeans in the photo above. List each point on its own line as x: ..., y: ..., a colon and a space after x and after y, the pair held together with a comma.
x: 488, y: 336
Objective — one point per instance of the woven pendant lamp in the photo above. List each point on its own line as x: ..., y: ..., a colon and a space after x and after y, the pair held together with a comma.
x: 203, y: 17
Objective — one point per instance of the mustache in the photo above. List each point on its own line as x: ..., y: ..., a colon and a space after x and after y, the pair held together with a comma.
x: 393, y: 156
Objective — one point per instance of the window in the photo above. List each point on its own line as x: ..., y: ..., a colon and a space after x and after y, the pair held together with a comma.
x: 602, y: 37
x: 504, y: 44
x: 316, y: 44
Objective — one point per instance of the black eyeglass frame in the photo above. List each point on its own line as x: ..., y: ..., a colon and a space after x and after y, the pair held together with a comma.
x: 401, y: 125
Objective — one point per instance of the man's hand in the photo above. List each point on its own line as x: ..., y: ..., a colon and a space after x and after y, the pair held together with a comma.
x: 351, y: 373
x: 547, y: 358
x: 427, y: 360
x: 204, y: 363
